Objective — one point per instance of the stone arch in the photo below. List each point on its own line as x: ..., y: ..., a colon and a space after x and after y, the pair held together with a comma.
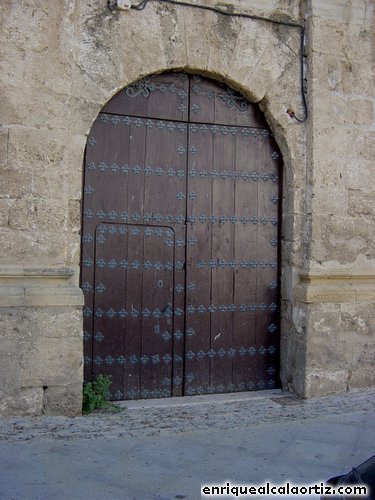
x: 271, y: 78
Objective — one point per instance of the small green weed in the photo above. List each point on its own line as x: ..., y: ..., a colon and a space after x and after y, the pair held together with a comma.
x: 96, y: 394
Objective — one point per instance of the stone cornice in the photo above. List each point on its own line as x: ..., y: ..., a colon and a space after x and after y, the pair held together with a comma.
x: 335, y: 286
x: 38, y: 287
x: 36, y: 272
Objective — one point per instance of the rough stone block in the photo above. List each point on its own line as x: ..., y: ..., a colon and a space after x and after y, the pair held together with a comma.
x: 247, y: 51
x: 26, y: 402
x: 49, y: 361
x: 342, y: 239
x: 40, y: 348
x: 365, y: 146
x: 74, y: 251
x: 293, y: 362
x: 43, y: 164
x: 360, y: 174
x: 342, y: 12
x: 335, y: 109
x: 324, y: 382
x: 329, y: 140
x: 63, y: 400
x: 31, y: 247
x: 197, y: 54
x: 335, y: 203
x: 222, y: 28
x: 361, y: 203
x: 340, y: 347
x: 281, y: 51
x: 363, y: 70
x: 362, y: 316
x: 43, y: 109
x: 74, y: 216
x: 4, y: 139
x: 13, y: 182
x: 38, y: 214
x: 4, y: 212
x: 267, y: 8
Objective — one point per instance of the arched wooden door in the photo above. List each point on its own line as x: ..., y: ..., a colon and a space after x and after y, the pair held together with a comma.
x: 180, y: 241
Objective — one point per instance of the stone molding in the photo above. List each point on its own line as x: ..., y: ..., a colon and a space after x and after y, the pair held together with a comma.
x: 38, y: 287
x: 335, y: 286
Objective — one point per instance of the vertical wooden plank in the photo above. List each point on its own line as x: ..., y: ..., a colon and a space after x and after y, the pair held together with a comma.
x: 106, y: 144
x: 132, y: 213
x: 157, y: 313
x: 223, y: 245
x: 132, y: 343
x: 202, y: 100
x: 267, y: 272
x: 198, y: 271
x: 245, y: 257
x: 87, y: 253
x: 165, y: 203
x: 109, y: 298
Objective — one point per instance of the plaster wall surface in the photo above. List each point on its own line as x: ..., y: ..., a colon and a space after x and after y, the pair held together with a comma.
x: 61, y: 61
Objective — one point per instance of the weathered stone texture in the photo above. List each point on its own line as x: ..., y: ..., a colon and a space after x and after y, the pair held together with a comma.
x: 341, y: 340
x: 61, y: 61
x: 41, y: 355
x: 26, y: 402
x: 343, y: 97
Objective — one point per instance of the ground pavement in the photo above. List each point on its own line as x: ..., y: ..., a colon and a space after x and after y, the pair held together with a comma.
x: 166, y: 449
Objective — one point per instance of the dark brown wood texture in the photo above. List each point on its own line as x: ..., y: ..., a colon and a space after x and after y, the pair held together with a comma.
x: 180, y: 242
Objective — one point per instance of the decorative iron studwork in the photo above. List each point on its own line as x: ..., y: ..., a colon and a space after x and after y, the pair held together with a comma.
x: 230, y: 97
x: 145, y: 86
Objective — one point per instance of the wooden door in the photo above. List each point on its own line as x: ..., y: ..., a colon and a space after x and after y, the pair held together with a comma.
x: 180, y: 241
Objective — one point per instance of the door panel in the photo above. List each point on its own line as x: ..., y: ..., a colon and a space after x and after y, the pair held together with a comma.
x: 129, y: 181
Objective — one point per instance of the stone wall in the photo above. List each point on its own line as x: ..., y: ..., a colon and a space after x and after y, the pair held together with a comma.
x: 338, y: 288
x: 63, y: 60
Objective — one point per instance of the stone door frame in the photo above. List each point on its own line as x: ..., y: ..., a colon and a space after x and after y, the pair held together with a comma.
x: 291, y: 352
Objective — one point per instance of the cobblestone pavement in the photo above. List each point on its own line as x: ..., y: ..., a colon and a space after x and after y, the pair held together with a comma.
x: 224, y: 412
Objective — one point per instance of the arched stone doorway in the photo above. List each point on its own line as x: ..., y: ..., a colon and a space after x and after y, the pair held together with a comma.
x: 180, y: 241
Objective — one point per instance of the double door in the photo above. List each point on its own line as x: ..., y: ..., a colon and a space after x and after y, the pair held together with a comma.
x: 180, y: 242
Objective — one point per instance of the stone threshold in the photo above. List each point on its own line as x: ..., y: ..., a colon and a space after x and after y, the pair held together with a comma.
x: 207, y: 399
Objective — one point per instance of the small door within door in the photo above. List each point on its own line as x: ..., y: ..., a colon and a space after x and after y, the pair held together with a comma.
x: 134, y: 304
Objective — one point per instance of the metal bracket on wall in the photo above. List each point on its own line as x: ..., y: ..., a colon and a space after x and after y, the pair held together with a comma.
x: 119, y: 4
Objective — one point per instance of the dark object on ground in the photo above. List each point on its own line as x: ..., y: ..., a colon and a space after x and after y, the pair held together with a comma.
x: 364, y: 474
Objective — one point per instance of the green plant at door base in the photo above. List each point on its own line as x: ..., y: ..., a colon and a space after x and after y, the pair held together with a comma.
x: 96, y: 394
